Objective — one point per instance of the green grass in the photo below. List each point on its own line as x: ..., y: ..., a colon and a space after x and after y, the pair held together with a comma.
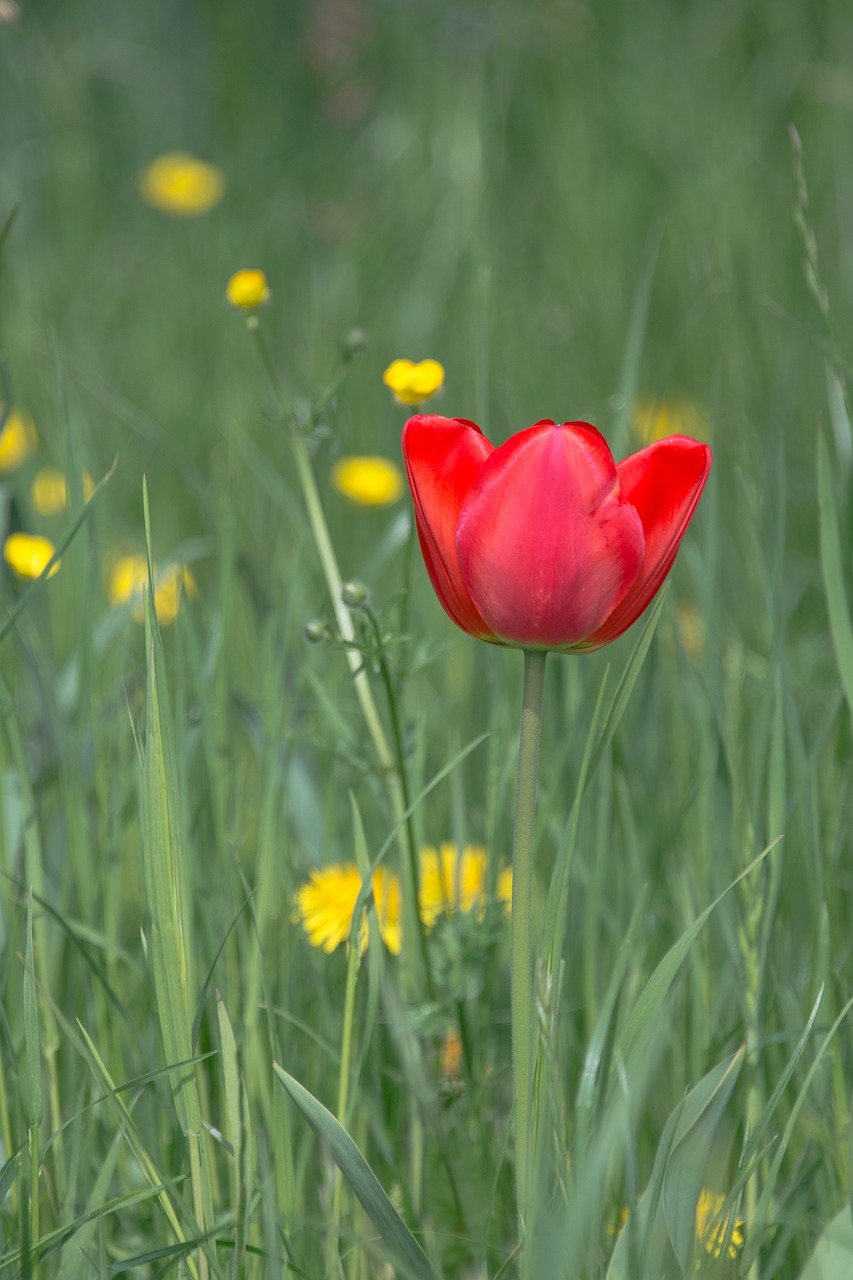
x: 569, y: 204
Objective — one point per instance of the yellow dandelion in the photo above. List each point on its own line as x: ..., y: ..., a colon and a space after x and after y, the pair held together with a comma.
x: 654, y: 419
x: 247, y: 289
x: 369, y: 481
x: 49, y: 490
x: 413, y: 383
x: 179, y: 184
x: 715, y: 1233
x: 324, y: 905
x: 18, y: 439
x: 450, y: 883
x: 29, y: 554
x: 129, y: 578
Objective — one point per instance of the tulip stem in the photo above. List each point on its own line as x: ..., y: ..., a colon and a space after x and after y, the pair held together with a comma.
x: 520, y: 934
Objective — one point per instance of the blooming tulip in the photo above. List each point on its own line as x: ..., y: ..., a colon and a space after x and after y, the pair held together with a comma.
x: 545, y: 542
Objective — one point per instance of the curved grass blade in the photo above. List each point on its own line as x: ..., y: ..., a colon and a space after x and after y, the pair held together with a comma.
x: 408, y: 1254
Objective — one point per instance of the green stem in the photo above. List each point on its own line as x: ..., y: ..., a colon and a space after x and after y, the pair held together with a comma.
x: 343, y: 616
x: 521, y: 946
x: 405, y: 600
x: 35, y: 1227
x: 333, y: 1263
x: 415, y: 922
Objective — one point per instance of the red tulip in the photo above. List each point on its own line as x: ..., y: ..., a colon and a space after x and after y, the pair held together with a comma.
x: 545, y: 542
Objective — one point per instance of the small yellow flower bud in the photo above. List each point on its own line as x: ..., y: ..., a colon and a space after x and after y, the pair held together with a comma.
x: 248, y: 289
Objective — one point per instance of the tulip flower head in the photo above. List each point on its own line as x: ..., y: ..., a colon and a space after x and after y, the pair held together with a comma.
x: 545, y: 542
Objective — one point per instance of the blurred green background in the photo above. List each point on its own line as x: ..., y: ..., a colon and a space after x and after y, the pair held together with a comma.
x: 571, y: 205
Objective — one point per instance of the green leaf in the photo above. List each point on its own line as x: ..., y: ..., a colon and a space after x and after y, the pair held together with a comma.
x: 833, y: 1256
x: 408, y: 1254
x: 832, y: 566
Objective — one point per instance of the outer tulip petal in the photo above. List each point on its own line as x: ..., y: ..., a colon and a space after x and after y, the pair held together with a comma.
x: 443, y: 457
x: 664, y: 483
x: 548, y: 546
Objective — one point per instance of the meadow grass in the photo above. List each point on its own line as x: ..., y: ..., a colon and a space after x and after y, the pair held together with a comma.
x: 577, y: 209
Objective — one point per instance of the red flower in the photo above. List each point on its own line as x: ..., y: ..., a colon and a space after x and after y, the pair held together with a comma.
x: 545, y: 542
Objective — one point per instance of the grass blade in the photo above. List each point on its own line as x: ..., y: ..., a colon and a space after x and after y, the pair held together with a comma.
x: 408, y: 1254
x: 832, y: 567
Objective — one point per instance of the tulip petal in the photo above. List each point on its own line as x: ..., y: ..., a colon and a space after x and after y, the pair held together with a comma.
x: 664, y: 483
x: 443, y: 457
x: 547, y: 545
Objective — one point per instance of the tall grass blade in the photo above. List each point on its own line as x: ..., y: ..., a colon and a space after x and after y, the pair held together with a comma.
x: 832, y: 566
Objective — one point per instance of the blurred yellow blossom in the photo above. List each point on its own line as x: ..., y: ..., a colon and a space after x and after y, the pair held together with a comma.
x: 413, y: 383
x: 449, y: 882
x: 715, y: 1233
x: 18, y: 439
x: 28, y: 554
x: 369, y: 481
x: 179, y: 184
x: 324, y: 905
x: 49, y: 490
x: 247, y: 289
x: 129, y: 578
x: 653, y: 419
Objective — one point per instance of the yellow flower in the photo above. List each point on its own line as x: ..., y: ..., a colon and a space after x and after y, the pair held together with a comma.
x: 713, y: 1232
x: 247, y: 289
x: 325, y: 902
x: 28, y: 554
x: 129, y: 578
x: 448, y: 882
x: 369, y: 481
x: 413, y: 383
x: 653, y: 419
x: 18, y: 439
x: 181, y: 185
x: 49, y: 491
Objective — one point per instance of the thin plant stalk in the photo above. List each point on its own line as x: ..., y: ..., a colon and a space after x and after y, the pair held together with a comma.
x: 343, y: 617
x: 521, y: 946
x: 353, y: 963
x: 403, y: 774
